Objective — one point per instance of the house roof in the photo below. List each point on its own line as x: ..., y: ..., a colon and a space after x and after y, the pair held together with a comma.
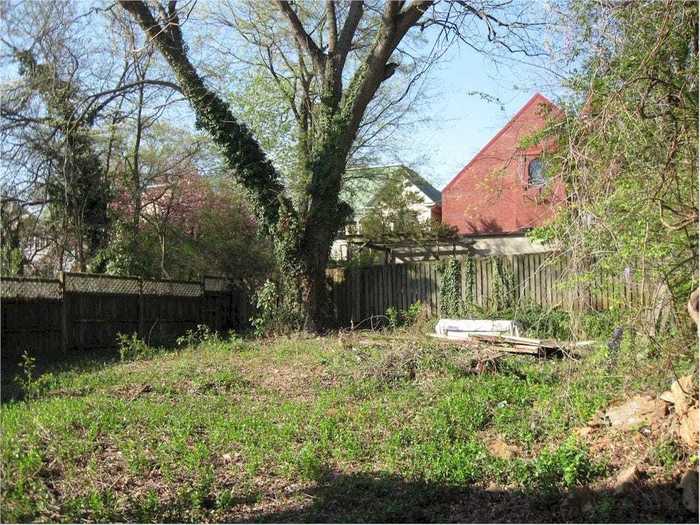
x: 537, y: 98
x: 362, y: 184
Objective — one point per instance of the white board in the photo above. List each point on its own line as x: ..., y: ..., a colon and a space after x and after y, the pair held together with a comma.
x: 458, y: 327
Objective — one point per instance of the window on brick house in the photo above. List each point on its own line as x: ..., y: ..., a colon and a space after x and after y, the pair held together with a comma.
x: 535, y: 173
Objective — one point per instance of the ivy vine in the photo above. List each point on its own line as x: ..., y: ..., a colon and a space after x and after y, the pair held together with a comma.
x: 450, y: 289
x: 506, y: 286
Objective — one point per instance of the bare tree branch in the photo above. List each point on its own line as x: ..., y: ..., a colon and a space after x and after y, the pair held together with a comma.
x: 304, y: 39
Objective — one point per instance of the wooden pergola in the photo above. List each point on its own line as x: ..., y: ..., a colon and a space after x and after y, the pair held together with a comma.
x: 403, y: 251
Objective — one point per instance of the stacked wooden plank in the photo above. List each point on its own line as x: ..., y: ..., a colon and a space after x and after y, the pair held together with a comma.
x: 522, y: 345
x: 518, y: 345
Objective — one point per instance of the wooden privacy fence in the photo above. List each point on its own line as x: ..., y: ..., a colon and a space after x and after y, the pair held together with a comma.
x: 87, y: 311
x: 544, y: 279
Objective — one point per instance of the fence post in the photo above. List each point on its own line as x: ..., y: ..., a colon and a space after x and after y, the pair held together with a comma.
x: 203, y: 301
x: 64, y: 314
x: 233, y: 308
x: 142, y: 312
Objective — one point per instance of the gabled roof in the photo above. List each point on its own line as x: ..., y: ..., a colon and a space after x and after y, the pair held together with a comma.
x: 362, y: 184
x: 423, y: 185
x: 537, y: 98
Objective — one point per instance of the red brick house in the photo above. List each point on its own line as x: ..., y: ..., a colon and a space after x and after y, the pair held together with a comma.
x: 502, y: 192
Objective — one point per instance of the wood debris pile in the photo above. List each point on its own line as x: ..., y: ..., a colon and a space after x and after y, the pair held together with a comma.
x: 519, y: 345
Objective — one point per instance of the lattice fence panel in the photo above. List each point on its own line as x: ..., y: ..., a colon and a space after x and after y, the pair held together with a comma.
x: 181, y: 289
x: 216, y: 284
x: 29, y: 288
x: 101, y: 284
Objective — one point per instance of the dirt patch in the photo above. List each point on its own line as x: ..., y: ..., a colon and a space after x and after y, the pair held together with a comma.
x: 289, y: 381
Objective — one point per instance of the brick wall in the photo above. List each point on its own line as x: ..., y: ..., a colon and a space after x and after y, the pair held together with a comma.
x: 491, y: 194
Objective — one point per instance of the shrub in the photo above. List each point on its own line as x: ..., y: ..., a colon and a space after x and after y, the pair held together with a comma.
x: 201, y: 334
x: 276, y: 313
x: 133, y: 347
x: 32, y: 387
x: 667, y: 454
x: 27, y: 365
x: 394, y: 317
x: 412, y: 313
x: 567, y: 466
x: 544, y: 322
x: 537, y: 321
x: 398, y: 318
x: 599, y: 325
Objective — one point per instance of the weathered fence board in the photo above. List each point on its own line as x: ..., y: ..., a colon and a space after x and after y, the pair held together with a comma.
x: 540, y: 279
x: 82, y: 311
x: 87, y: 312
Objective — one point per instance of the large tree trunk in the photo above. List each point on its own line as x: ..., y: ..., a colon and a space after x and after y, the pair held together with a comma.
x: 303, y: 236
x: 317, y: 243
x: 303, y: 251
x: 318, y: 313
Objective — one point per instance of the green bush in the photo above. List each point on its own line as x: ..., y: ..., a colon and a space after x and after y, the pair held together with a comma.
x: 412, y: 313
x: 599, y: 325
x: 200, y: 335
x: 132, y: 347
x: 544, y: 322
x: 32, y: 387
x: 667, y: 454
x: 398, y: 318
x: 567, y: 466
x: 538, y: 321
x: 277, y: 312
x: 394, y: 317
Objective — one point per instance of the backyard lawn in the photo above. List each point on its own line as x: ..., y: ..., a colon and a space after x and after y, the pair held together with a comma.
x: 351, y: 428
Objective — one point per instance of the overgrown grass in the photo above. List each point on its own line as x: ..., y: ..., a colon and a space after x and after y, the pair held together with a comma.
x: 239, y: 430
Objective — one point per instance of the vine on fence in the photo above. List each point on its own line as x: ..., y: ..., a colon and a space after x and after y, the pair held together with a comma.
x: 457, y: 289
x: 469, y: 272
x: 450, y: 293
x: 505, y: 286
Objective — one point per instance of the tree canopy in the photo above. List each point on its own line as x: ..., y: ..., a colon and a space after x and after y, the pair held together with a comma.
x: 628, y: 148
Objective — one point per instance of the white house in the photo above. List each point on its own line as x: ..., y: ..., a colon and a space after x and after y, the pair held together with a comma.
x: 361, y: 186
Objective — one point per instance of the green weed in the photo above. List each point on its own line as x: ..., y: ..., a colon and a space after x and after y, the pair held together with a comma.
x: 667, y: 454
x: 214, y: 429
x: 133, y: 347
x: 32, y: 386
x: 402, y: 318
x: 567, y: 466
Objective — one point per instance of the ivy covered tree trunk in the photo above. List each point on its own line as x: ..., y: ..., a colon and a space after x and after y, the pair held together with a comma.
x: 302, y: 235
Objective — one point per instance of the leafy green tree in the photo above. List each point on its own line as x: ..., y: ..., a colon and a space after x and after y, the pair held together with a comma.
x: 64, y: 110
x: 258, y: 103
x: 80, y: 188
x: 394, y: 216
x: 629, y: 143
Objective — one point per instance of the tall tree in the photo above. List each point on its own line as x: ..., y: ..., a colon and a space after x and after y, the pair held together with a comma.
x: 59, y: 117
x: 304, y: 230
x: 82, y: 186
x: 629, y: 145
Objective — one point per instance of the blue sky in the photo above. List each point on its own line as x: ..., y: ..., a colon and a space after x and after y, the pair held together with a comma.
x: 466, y: 122
x: 461, y: 122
